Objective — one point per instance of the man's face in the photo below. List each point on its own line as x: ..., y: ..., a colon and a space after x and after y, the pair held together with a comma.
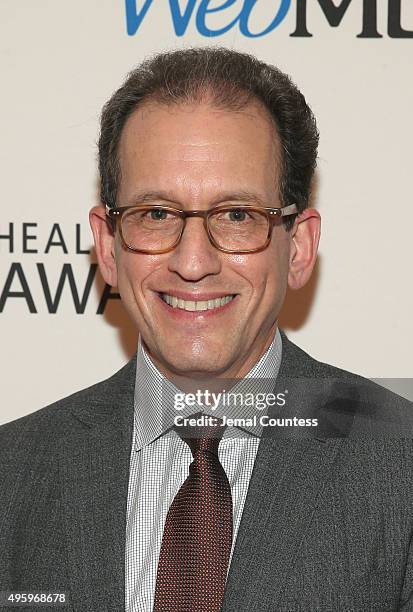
x: 194, y: 157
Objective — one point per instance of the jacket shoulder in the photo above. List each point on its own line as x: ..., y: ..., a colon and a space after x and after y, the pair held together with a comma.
x: 347, y: 397
x: 88, y: 405
x: 300, y: 363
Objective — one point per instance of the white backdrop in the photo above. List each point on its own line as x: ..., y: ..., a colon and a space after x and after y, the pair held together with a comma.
x: 61, y: 60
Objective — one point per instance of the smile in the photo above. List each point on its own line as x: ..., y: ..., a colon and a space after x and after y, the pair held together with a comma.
x: 196, y: 305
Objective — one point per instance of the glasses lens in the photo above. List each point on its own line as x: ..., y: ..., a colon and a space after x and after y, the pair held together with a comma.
x: 151, y: 228
x: 239, y: 228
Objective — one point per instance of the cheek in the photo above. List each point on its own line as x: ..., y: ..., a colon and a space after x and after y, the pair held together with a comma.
x: 270, y: 287
x: 266, y: 272
x: 133, y: 269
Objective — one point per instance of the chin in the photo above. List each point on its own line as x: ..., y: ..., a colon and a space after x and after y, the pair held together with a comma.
x: 195, y: 365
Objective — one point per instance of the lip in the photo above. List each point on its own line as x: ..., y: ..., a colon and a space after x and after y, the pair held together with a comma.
x: 189, y: 315
x: 195, y: 297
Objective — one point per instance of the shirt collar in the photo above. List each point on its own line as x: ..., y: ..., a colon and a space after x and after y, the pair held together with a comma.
x: 154, y: 412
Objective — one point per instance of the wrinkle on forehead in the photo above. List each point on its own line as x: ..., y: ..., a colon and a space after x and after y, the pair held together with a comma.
x: 193, y: 146
x: 195, y: 152
x: 147, y: 119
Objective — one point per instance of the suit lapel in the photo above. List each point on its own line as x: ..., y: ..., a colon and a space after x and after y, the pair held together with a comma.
x: 285, y: 489
x: 94, y: 468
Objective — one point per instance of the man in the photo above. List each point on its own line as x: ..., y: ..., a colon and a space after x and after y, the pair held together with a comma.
x: 206, y: 158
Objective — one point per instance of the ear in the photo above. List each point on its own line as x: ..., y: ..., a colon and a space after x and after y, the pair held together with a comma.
x: 304, y: 244
x: 104, y: 243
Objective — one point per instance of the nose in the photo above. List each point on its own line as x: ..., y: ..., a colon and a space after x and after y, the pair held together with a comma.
x: 195, y: 257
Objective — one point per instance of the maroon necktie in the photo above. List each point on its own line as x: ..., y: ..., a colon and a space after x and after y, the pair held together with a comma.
x: 197, y: 537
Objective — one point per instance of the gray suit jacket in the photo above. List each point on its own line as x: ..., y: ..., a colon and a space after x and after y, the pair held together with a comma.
x: 327, y: 523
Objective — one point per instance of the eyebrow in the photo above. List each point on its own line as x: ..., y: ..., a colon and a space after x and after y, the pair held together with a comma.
x: 142, y: 197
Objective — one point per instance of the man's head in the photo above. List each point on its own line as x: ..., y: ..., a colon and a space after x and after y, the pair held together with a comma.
x: 195, y: 129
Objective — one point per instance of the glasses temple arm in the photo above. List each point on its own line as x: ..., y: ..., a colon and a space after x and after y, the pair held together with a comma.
x: 291, y: 209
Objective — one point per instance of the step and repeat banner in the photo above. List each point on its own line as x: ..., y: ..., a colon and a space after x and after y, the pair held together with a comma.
x: 62, y: 328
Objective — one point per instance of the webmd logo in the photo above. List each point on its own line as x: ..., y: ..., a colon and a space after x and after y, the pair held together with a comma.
x: 183, y: 12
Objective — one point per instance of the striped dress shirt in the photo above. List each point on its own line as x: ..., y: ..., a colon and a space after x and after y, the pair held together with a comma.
x: 160, y: 460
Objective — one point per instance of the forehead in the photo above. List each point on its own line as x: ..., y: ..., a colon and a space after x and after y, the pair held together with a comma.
x: 198, y: 148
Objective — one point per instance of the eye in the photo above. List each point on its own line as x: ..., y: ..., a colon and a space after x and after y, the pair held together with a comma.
x: 237, y: 214
x: 157, y: 214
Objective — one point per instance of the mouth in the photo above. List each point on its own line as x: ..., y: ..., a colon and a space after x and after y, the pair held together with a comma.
x: 196, y: 305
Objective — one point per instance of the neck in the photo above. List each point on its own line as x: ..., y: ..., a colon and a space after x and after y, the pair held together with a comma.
x: 239, y: 369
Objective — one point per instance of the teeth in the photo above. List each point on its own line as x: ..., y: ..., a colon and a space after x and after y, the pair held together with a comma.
x: 192, y: 305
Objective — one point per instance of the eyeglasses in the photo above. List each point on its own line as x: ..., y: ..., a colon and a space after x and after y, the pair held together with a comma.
x: 156, y: 229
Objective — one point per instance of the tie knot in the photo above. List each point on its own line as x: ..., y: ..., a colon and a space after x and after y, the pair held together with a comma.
x: 203, y: 434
